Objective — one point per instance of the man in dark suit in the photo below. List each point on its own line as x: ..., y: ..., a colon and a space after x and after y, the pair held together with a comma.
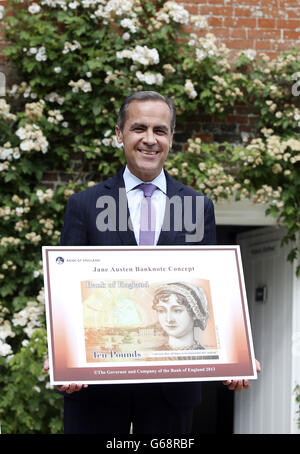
x: 145, y: 128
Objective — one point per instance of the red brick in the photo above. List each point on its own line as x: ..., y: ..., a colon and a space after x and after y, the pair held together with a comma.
x: 268, y: 12
x: 240, y: 22
x: 223, y: 11
x: 291, y: 34
x: 206, y: 138
x: 288, y: 24
x: 264, y: 34
x: 245, y: 128
x: 239, y: 44
x: 288, y: 3
x: 285, y: 46
x: 254, y: 3
x: 237, y: 119
x: 188, y: 29
x: 272, y: 55
x: 238, y: 33
x: 244, y: 2
x: 192, y: 9
x: 293, y: 12
x: 209, y: 2
x: 263, y: 44
x: 241, y: 109
x: 215, y: 21
x: 50, y: 176
x: 266, y: 23
x: 242, y: 12
x: 215, y: 2
x: 271, y: 3
x: 222, y: 32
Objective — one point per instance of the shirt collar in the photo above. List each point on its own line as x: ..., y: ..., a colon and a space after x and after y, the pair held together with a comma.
x: 131, y: 181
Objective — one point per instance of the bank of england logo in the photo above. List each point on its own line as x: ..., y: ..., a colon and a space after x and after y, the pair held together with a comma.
x: 60, y: 260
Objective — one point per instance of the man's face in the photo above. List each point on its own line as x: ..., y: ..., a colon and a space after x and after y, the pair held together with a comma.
x: 146, y: 137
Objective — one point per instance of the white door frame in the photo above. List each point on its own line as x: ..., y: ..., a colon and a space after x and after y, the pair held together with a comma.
x: 243, y: 213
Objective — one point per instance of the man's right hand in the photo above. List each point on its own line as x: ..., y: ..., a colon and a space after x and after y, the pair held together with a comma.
x: 67, y: 388
x: 71, y: 388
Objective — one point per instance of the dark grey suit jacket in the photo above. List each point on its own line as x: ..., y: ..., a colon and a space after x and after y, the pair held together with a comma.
x: 80, y: 229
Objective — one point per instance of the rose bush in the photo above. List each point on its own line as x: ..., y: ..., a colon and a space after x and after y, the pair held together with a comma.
x: 265, y: 170
x: 76, y: 61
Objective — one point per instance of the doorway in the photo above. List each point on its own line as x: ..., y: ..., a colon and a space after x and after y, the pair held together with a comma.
x: 268, y: 406
x: 215, y: 415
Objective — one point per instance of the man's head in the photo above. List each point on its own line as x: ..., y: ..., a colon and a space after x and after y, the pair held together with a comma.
x: 146, y: 96
x: 145, y: 127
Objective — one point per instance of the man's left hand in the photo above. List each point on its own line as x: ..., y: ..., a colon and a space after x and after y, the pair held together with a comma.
x: 238, y: 385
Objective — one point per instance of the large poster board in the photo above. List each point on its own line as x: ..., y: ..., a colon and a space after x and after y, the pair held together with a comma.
x: 146, y: 314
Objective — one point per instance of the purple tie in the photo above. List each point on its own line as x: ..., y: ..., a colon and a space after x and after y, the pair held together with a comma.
x: 147, y: 222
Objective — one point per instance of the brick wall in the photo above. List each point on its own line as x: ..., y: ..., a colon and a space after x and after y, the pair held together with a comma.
x: 269, y: 26
x: 2, y: 37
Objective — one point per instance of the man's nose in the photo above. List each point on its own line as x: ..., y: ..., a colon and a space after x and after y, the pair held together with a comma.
x: 149, y: 137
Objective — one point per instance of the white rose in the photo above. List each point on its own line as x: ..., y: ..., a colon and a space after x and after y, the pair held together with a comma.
x: 73, y: 5
x: 126, y: 36
x: 16, y: 155
x: 41, y: 55
x: 106, y: 142
x: 27, y: 145
x: 5, y: 349
x: 34, y: 8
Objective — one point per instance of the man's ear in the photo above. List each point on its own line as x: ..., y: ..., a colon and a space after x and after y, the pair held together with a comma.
x: 119, y: 134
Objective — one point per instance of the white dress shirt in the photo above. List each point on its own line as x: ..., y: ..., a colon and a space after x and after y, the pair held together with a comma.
x: 135, y: 196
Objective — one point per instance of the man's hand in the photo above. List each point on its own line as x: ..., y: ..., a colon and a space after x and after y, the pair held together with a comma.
x: 238, y: 385
x: 67, y: 388
x: 71, y: 388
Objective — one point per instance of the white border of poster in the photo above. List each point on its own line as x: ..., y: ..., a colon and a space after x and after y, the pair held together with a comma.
x: 105, y: 323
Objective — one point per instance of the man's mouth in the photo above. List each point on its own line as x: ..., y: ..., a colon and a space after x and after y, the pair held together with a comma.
x: 147, y: 152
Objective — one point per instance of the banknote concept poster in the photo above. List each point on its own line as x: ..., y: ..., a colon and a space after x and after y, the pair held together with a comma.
x: 144, y: 314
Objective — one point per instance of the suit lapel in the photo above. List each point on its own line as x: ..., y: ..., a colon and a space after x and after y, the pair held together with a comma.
x: 115, y: 187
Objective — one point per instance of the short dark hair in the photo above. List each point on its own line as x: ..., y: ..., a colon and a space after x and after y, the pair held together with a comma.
x: 146, y: 96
